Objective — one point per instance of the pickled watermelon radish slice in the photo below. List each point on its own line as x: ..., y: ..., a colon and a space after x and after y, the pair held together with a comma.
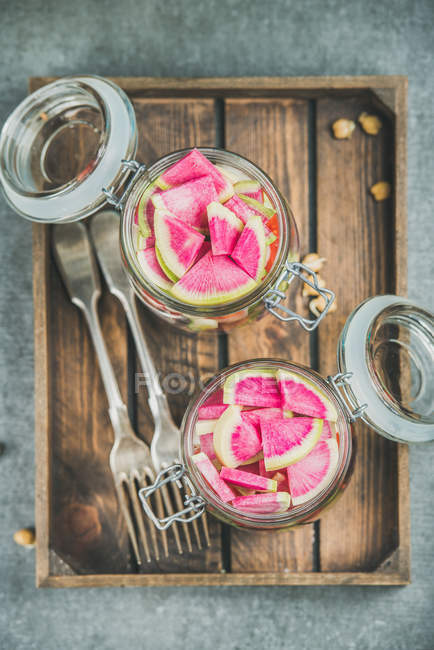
x: 248, y: 480
x: 287, y: 440
x: 213, y: 280
x: 300, y: 395
x: 253, y: 468
x: 204, y: 249
x: 256, y: 415
x: 145, y: 210
x: 205, y: 426
x: 250, y: 250
x: 195, y: 165
x: 164, y: 266
x: 188, y: 202
x: 239, y: 208
x: 152, y: 270
x: 141, y: 241
x: 211, y: 411
x: 235, y: 441
x: 177, y: 243
x: 207, y: 445
x: 224, y: 228
x: 252, y: 388
x: 251, y: 189
x: 271, y: 502
x: 314, y: 472
x: 328, y: 430
x: 257, y: 207
x: 211, y: 475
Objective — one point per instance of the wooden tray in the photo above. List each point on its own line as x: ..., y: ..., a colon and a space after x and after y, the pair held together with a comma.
x: 283, y: 124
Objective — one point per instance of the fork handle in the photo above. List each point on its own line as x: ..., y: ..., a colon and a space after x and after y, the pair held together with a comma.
x: 156, y: 398
x: 117, y: 409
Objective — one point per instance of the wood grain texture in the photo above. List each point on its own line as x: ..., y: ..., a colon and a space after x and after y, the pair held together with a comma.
x: 88, y: 531
x: 273, y: 134
x: 184, y: 360
x: 355, y: 234
x: 302, y: 579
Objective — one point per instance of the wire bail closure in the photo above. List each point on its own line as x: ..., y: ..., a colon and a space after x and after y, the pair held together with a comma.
x: 193, y: 501
x: 342, y: 379
x: 274, y: 296
x: 134, y: 168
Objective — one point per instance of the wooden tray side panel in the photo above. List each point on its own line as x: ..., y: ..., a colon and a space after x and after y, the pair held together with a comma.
x: 274, y: 134
x: 184, y: 360
x: 355, y: 235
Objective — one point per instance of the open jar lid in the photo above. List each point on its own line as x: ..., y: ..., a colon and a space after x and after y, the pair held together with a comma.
x: 63, y: 144
x: 386, y: 355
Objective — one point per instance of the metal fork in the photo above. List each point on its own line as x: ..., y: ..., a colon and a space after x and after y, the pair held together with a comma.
x: 130, y: 458
x: 165, y: 442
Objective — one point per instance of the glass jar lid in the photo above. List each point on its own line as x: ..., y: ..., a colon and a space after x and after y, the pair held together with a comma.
x: 63, y: 144
x: 386, y: 353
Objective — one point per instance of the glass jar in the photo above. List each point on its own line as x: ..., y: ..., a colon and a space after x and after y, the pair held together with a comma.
x: 385, y: 377
x: 68, y: 149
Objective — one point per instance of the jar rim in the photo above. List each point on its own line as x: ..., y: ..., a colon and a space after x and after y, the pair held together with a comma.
x: 82, y: 195
x: 287, y: 241
x: 296, y: 514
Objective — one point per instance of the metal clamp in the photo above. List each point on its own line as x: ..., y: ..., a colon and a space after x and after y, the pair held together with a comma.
x: 342, y: 380
x: 193, y: 501
x: 274, y: 296
x: 134, y: 168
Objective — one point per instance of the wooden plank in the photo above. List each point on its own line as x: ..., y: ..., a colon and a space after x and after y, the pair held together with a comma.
x: 354, y: 234
x: 273, y: 134
x: 184, y: 360
x: 88, y: 531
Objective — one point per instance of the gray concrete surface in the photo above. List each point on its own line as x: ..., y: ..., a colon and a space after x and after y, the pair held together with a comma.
x: 221, y: 37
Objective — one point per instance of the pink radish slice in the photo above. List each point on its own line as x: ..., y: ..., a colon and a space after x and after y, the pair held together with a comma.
x: 239, y: 208
x: 188, y: 202
x: 235, y: 441
x: 213, y: 280
x: 252, y: 388
x: 247, y: 480
x: 152, y: 270
x: 301, y: 396
x: 212, y: 477
x: 195, y: 165
x: 250, y: 250
x: 256, y: 415
x: 314, y: 472
x: 288, y: 440
x: 271, y: 502
x: 224, y: 228
x: 178, y: 243
x: 211, y: 412
x: 207, y: 445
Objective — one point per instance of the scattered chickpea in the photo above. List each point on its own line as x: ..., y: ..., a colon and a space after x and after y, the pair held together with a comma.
x: 317, y: 306
x: 310, y: 291
x: 25, y: 537
x: 343, y: 128
x: 313, y: 261
x: 370, y: 123
x: 381, y: 191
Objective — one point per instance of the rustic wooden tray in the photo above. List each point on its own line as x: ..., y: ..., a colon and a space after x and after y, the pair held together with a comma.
x: 283, y: 124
